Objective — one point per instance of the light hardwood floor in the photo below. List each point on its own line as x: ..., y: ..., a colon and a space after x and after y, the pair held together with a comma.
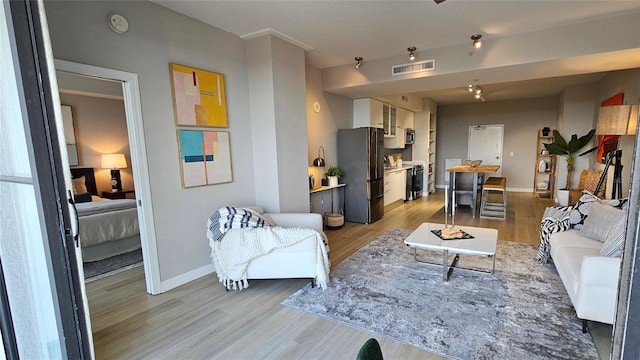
x: 200, y: 320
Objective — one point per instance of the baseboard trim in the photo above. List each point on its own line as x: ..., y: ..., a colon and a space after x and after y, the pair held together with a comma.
x: 186, y: 277
x: 529, y: 190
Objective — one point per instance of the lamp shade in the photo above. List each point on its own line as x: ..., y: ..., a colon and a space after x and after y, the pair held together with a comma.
x: 319, y: 161
x: 113, y: 161
x: 617, y: 120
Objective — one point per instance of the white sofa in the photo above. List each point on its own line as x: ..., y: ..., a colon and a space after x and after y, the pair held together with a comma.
x: 590, y: 279
x: 296, y: 261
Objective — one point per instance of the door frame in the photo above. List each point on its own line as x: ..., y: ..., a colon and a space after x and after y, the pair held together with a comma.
x: 135, y: 130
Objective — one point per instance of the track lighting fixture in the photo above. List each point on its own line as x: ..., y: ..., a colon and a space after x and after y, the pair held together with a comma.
x: 412, y: 56
x: 477, y: 43
x: 477, y: 91
x: 358, y: 62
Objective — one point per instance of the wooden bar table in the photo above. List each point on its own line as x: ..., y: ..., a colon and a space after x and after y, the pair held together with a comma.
x: 478, y: 171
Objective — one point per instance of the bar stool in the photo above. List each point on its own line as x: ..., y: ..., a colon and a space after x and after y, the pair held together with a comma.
x: 494, y: 210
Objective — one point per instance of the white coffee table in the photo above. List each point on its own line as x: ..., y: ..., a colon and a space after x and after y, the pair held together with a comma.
x: 483, y: 244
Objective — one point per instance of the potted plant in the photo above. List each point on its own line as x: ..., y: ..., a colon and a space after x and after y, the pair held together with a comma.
x: 333, y: 174
x: 560, y: 146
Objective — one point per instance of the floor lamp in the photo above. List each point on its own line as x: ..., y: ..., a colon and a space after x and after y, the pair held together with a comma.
x: 616, y: 120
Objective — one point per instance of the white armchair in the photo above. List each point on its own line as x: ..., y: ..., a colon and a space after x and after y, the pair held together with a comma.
x: 296, y: 261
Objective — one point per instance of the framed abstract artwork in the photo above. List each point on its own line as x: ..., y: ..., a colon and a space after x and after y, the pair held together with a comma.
x: 198, y: 97
x: 205, y: 157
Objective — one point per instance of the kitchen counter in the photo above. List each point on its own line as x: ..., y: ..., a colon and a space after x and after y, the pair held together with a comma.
x: 390, y: 169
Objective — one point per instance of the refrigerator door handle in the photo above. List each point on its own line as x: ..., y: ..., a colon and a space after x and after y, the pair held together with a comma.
x: 377, y: 197
x: 376, y: 147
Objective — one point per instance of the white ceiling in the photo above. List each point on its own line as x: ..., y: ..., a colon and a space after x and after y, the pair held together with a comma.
x: 334, y: 32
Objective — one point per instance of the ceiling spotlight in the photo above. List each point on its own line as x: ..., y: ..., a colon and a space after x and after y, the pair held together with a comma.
x: 412, y: 56
x: 358, y: 62
x: 477, y: 43
x: 477, y: 91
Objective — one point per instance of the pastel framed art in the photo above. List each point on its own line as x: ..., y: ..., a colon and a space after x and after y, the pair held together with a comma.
x: 199, y: 97
x: 205, y: 157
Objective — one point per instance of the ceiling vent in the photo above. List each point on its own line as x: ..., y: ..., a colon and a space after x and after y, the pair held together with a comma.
x: 427, y: 65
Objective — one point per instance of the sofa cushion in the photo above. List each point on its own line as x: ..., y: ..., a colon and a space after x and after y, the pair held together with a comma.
x: 611, y: 231
x: 581, y: 209
x: 568, y: 262
x: 572, y: 238
x: 604, y: 223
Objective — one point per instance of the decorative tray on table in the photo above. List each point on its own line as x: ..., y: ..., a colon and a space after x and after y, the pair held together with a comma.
x: 459, y: 235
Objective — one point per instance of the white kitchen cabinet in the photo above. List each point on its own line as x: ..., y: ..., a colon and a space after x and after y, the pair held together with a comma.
x: 367, y: 113
x: 389, y: 118
x: 394, y: 186
x: 404, y: 121
x: 397, y: 141
x: 405, y: 118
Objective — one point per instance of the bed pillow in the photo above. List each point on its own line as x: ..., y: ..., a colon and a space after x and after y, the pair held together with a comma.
x: 581, y: 209
x: 82, y: 198
x: 79, y: 186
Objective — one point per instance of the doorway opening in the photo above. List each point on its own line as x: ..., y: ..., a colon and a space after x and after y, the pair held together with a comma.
x: 95, y: 128
x: 128, y: 84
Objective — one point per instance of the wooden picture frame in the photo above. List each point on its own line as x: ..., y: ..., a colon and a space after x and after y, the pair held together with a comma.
x: 205, y: 157
x: 199, y: 97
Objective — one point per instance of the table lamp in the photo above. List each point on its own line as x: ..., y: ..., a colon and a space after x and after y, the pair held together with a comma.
x: 616, y: 120
x: 115, y: 162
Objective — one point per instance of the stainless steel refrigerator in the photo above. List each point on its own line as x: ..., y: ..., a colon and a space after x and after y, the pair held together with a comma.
x: 361, y: 157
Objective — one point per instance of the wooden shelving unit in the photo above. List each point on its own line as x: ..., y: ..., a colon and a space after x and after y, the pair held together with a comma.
x: 430, y: 169
x: 546, y: 177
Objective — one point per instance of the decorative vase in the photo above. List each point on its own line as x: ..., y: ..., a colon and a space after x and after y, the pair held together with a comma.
x: 545, y: 131
x: 333, y: 180
x: 542, y: 166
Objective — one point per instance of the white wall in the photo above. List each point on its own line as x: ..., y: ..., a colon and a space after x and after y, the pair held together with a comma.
x: 578, y: 117
x: 336, y: 112
x: 156, y: 37
x: 101, y: 128
x: 521, y: 119
x: 277, y: 99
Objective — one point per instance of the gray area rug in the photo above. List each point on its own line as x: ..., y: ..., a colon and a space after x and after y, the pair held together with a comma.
x: 95, y: 270
x: 520, y: 312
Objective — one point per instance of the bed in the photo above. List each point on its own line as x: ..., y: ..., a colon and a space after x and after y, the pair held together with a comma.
x: 106, y: 227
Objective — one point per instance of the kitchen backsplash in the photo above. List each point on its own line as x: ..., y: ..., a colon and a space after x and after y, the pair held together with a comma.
x: 405, y: 154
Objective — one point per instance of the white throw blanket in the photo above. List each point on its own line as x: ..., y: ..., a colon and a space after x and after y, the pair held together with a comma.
x: 231, y: 255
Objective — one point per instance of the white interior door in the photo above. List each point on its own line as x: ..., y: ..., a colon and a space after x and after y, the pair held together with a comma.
x: 485, y: 143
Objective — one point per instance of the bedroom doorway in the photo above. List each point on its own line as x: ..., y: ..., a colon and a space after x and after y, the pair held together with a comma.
x: 128, y: 84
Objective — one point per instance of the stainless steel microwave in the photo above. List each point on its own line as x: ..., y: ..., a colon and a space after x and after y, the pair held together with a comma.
x: 410, y: 136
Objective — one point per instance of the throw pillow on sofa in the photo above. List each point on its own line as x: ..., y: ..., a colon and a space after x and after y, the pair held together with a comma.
x: 607, y: 225
x: 580, y: 210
